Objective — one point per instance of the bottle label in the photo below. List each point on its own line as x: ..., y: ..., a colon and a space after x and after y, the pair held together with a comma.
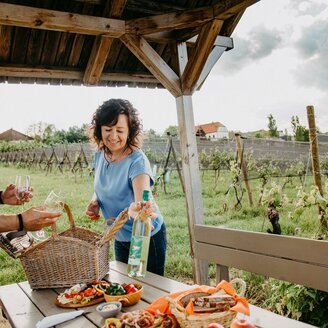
x: 138, y: 250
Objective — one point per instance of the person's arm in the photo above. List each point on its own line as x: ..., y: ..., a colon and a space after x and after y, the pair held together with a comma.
x: 33, y: 219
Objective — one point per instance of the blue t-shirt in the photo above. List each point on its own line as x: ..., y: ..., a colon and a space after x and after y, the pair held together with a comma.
x: 114, y: 191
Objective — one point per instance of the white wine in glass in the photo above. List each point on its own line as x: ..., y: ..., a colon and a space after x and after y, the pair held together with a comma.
x: 22, y: 183
x: 52, y: 204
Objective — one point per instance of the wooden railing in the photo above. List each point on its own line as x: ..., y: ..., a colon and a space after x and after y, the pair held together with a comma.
x: 293, y: 259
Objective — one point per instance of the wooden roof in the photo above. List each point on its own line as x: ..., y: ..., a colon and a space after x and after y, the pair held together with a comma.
x: 114, y: 42
x: 13, y: 135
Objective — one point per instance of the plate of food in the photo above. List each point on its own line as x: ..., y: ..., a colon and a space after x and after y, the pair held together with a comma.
x: 81, y: 295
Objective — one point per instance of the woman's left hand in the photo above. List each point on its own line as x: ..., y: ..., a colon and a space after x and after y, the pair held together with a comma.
x: 148, y: 207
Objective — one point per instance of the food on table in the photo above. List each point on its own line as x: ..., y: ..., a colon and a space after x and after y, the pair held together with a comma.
x: 217, y: 303
x: 113, y: 323
x: 109, y: 307
x: 242, y: 323
x: 214, y: 325
x: 82, y: 294
x: 142, y: 319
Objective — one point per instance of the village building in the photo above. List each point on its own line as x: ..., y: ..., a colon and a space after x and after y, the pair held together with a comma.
x: 212, y: 131
x: 13, y: 135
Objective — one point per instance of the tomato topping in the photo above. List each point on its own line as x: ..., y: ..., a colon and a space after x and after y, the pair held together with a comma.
x: 89, y: 292
x: 78, y: 297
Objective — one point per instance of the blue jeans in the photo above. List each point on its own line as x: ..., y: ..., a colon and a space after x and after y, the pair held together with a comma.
x: 157, y: 251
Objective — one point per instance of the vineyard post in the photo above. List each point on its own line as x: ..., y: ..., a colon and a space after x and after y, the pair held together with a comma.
x: 243, y: 168
x: 315, y: 159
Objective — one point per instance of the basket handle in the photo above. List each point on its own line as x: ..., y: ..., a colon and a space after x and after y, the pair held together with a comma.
x: 115, y: 227
x: 70, y: 218
x: 241, y: 283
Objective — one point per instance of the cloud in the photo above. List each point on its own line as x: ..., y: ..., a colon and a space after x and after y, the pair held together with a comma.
x: 309, y: 7
x: 312, y: 47
x: 260, y: 43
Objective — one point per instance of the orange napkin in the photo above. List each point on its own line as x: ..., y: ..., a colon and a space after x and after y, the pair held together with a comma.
x: 162, y: 305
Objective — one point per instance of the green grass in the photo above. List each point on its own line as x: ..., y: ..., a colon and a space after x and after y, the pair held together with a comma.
x: 77, y: 191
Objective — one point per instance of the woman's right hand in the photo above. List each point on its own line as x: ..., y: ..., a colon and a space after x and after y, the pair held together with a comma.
x: 92, y: 210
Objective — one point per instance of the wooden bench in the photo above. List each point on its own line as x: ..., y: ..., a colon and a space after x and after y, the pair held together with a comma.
x: 297, y: 260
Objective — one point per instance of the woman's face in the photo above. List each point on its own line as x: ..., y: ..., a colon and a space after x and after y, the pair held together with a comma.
x: 115, y: 137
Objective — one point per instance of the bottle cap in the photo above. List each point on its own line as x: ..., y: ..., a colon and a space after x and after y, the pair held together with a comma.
x: 146, y: 195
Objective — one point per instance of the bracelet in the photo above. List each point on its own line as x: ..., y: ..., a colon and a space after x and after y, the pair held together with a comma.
x: 1, y: 201
x: 20, y: 222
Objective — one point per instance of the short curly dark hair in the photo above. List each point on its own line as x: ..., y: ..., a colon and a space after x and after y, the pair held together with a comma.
x: 107, y: 114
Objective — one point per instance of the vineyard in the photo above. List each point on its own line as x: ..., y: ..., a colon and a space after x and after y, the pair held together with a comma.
x: 280, y: 185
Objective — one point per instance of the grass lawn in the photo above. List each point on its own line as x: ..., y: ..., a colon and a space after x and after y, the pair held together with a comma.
x: 218, y: 210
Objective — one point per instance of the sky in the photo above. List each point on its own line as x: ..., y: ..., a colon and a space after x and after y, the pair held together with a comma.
x: 279, y: 65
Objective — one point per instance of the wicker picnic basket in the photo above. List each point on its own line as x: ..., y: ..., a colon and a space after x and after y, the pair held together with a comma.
x: 76, y: 255
x: 203, y: 320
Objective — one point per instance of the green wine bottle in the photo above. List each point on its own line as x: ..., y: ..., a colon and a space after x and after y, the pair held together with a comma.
x: 139, y: 248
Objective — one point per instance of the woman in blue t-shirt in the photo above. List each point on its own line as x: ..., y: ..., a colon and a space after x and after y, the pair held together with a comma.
x: 122, y: 172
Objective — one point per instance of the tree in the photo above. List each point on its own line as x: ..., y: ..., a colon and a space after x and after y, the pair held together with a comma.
x: 172, y: 130
x: 41, y: 132
x: 272, y: 125
x: 301, y: 133
x: 152, y: 134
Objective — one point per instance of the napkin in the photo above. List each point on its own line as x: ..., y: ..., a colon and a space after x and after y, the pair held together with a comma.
x: 56, y: 319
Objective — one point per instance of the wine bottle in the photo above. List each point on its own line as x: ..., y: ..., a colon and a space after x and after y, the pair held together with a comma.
x: 139, y: 247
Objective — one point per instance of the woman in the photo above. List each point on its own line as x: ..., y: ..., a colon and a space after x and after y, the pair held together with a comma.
x: 122, y: 172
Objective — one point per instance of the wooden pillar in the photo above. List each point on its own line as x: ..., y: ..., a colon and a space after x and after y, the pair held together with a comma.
x: 190, y: 169
x: 243, y: 168
x: 315, y: 160
x: 193, y: 189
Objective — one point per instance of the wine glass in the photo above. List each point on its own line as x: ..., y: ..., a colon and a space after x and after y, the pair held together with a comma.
x: 52, y: 204
x: 22, y: 183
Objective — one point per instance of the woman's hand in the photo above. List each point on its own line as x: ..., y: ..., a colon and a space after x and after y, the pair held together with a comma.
x: 9, y: 196
x: 92, y: 210
x: 148, y: 207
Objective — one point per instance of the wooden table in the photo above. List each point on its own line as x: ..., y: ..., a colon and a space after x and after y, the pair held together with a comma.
x: 24, y: 307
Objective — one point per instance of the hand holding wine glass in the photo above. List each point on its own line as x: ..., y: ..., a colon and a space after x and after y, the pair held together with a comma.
x: 23, y: 189
x: 52, y: 204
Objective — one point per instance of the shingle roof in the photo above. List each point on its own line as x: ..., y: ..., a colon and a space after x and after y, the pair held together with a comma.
x: 11, y: 135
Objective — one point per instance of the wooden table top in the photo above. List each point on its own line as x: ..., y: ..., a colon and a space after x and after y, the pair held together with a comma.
x: 24, y: 307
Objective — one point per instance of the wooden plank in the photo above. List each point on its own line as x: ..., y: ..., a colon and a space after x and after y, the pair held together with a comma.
x: 267, y: 319
x: 44, y: 300
x: 167, y: 285
x: 186, y: 19
x: 18, y: 308
x: 154, y: 63
x: 45, y: 19
x: 300, y: 249
x: 306, y: 274
x: 200, y: 54
x: 101, y: 47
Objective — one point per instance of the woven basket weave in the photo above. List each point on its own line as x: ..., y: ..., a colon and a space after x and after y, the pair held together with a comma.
x: 76, y: 255
x: 203, y: 320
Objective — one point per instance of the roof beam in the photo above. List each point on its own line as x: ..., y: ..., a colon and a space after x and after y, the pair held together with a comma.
x: 46, y: 73
x: 187, y: 18
x: 197, y: 61
x: 44, y: 19
x: 101, y: 48
x: 153, y: 62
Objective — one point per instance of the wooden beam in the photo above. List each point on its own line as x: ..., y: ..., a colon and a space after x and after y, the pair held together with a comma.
x: 187, y: 18
x: 202, y: 50
x: 44, y: 19
x: 46, y: 73
x: 101, y: 48
x: 212, y: 59
x: 190, y: 168
x: 153, y: 62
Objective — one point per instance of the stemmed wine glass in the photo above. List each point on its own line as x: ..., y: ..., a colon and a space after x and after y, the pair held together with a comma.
x: 22, y: 183
x: 52, y: 204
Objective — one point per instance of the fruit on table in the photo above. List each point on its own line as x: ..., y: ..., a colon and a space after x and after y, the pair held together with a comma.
x: 214, y: 325
x: 241, y: 323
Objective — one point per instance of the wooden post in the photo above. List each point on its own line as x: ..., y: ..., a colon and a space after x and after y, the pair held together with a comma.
x: 177, y: 164
x: 315, y: 159
x: 243, y: 168
x: 190, y: 169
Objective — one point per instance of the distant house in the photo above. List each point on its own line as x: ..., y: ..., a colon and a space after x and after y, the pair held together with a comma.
x: 212, y: 131
x: 13, y: 135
